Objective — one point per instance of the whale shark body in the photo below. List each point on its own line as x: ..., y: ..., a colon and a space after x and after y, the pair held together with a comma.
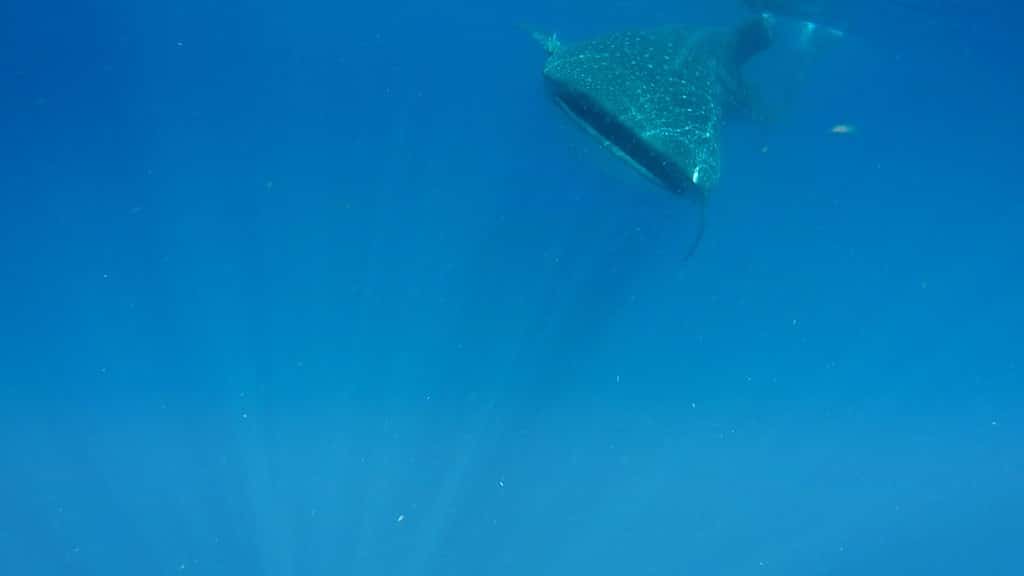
x: 658, y: 98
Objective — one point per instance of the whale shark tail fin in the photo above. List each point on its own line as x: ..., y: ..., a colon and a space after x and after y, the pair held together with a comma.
x: 799, y: 38
x: 797, y: 24
x: 806, y: 35
x: 751, y: 38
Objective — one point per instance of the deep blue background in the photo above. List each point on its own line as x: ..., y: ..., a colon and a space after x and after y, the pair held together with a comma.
x: 333, y: 288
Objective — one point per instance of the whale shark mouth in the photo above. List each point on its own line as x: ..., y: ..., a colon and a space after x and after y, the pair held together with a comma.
x: 592, y: 129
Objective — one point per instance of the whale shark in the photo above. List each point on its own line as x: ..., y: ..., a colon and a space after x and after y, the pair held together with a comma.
x: 659, y: 98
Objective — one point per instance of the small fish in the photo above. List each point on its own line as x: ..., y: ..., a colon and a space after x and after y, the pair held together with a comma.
x: 843, y: 129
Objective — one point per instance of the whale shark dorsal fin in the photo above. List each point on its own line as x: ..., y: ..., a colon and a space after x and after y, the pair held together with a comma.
x: 549, y: 41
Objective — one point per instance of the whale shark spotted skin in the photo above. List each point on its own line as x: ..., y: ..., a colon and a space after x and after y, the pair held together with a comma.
x: 658, y: 98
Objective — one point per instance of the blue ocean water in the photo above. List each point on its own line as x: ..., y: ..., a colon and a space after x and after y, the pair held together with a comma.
x: 334, y: 288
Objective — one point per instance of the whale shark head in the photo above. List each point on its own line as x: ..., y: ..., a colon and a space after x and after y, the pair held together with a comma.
x: 658, y: 98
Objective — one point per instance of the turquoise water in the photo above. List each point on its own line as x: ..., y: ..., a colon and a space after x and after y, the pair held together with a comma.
x: 320, y: 288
